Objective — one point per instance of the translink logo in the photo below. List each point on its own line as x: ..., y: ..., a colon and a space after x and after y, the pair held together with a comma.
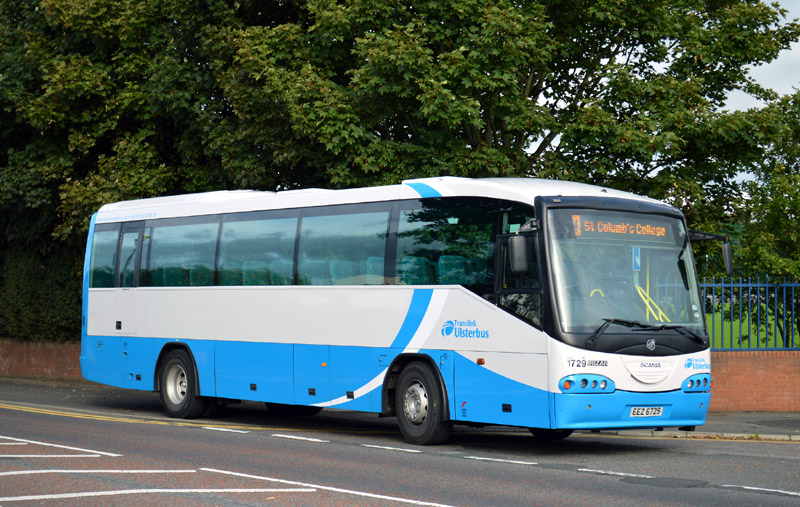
x: 463, y: 329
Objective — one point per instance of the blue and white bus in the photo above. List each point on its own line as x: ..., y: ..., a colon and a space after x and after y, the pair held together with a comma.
x: 531, y: 303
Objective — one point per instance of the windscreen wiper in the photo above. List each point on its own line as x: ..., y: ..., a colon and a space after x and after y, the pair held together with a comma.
x: 592, y: 340
x: 635, y: 325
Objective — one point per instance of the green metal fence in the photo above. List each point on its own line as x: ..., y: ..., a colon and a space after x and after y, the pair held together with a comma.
x: 748, y: 314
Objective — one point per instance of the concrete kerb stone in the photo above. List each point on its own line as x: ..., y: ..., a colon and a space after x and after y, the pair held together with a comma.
x: 698, y: 435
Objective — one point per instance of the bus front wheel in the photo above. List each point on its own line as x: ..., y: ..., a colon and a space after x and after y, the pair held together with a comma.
x: 420, y: 406
x: 179, y: 395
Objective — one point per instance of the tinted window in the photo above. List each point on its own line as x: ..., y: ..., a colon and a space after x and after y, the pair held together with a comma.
x: 447, y: 241
x: 515, y: 216
x: 257, y: 249
x: 521, y: 293
x: 128, y: 248
x: 104, y: 256
x: 182, y: 251
x: 343, y: 248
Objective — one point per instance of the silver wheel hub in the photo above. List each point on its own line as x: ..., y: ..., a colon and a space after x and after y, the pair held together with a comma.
x: 415, y: 403
x: 176, y: 384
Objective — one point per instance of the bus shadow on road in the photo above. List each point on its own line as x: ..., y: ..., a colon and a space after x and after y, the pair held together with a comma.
x: 487, y: 439
x: 519, y: 441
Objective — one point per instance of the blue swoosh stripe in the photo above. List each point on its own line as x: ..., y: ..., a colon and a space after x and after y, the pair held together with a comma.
x: 424, y: 190
x: 420, y: 301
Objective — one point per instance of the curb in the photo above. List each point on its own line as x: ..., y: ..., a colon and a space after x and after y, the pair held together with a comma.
x: 697, y: 435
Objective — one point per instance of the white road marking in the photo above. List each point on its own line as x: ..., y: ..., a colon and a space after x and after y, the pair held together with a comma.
x: 90, y: 494
x: 753, y: 488
x: 12, y: 443
x: 619, y: 474
x: 62, y: 446
x: 327, y: 488
x: 387, y: 448
x: 513, y: 462
x: 307, y: 439
x: 34, y: 472
x: 49, y: 455
x: 224, y: 429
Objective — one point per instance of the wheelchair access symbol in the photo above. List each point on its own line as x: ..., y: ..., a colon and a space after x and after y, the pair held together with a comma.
x: 637, y: 259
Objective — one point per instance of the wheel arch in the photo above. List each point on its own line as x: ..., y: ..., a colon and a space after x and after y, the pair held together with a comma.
x: 165, y: 350
x: 393, y: 374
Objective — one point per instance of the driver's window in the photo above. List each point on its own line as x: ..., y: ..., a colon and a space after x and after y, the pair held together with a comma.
x: 521, y: 293
x: 527, y: 280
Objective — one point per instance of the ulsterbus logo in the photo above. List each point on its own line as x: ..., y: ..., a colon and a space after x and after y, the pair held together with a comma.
x: 463, y: 329
x: 696, y: 364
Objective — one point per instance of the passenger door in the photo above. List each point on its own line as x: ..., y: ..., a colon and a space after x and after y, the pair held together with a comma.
x: 129, y: 260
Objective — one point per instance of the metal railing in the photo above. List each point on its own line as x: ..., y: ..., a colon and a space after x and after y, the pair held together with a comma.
x: 747, y: 314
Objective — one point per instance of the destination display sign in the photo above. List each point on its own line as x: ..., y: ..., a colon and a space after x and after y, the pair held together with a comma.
x: 580, y: 224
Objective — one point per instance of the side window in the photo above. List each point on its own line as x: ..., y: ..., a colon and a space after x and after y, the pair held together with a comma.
x: 182, y: 252
x: 447, y: 241
x: 104, y: 256
x: 514, y: 217
x: 128, y: 248
x: 257, y: 248
x: 346, y: 246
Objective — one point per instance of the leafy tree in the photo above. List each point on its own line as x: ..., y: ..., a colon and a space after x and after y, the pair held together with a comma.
x: 100, y: 100
x: 612, y: 92
x: 105, y: 100
x: 771, y: 241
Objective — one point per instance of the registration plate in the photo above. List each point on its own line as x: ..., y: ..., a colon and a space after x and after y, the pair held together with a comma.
x: 646, y: 411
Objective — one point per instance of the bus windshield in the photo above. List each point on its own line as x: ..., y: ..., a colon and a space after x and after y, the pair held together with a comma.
x: 632, y: 269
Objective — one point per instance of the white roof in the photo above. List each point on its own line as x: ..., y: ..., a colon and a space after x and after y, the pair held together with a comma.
x: 523, y: 190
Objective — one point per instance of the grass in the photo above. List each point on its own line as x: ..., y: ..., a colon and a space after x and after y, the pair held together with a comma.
x: 726, y: 334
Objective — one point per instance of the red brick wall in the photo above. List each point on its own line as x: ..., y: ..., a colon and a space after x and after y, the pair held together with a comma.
x: 39, y: 359
x: 765, y: 381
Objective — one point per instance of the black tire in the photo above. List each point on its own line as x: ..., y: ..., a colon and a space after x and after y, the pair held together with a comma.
x: 283, y: 410
x: 548, y: 434
x: 178, y: 384
x: 420, y: 406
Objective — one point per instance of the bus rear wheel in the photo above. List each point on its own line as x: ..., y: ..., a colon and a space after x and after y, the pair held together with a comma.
x: 178, y: 383
x: 420, y: 406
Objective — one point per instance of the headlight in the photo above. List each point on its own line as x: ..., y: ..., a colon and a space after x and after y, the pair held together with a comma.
x: 584, y: 384
x: 699, y: 383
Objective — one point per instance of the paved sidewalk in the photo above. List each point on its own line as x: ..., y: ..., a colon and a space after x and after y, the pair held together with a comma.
x: 780, y: 426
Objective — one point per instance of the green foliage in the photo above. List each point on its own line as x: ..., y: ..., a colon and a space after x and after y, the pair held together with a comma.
x: 626, y: 94
x: 40, y: 295
x: 771, y: 240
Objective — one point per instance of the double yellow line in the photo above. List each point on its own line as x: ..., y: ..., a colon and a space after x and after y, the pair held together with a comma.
x: 107, y: 418
x: 177, y: 423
